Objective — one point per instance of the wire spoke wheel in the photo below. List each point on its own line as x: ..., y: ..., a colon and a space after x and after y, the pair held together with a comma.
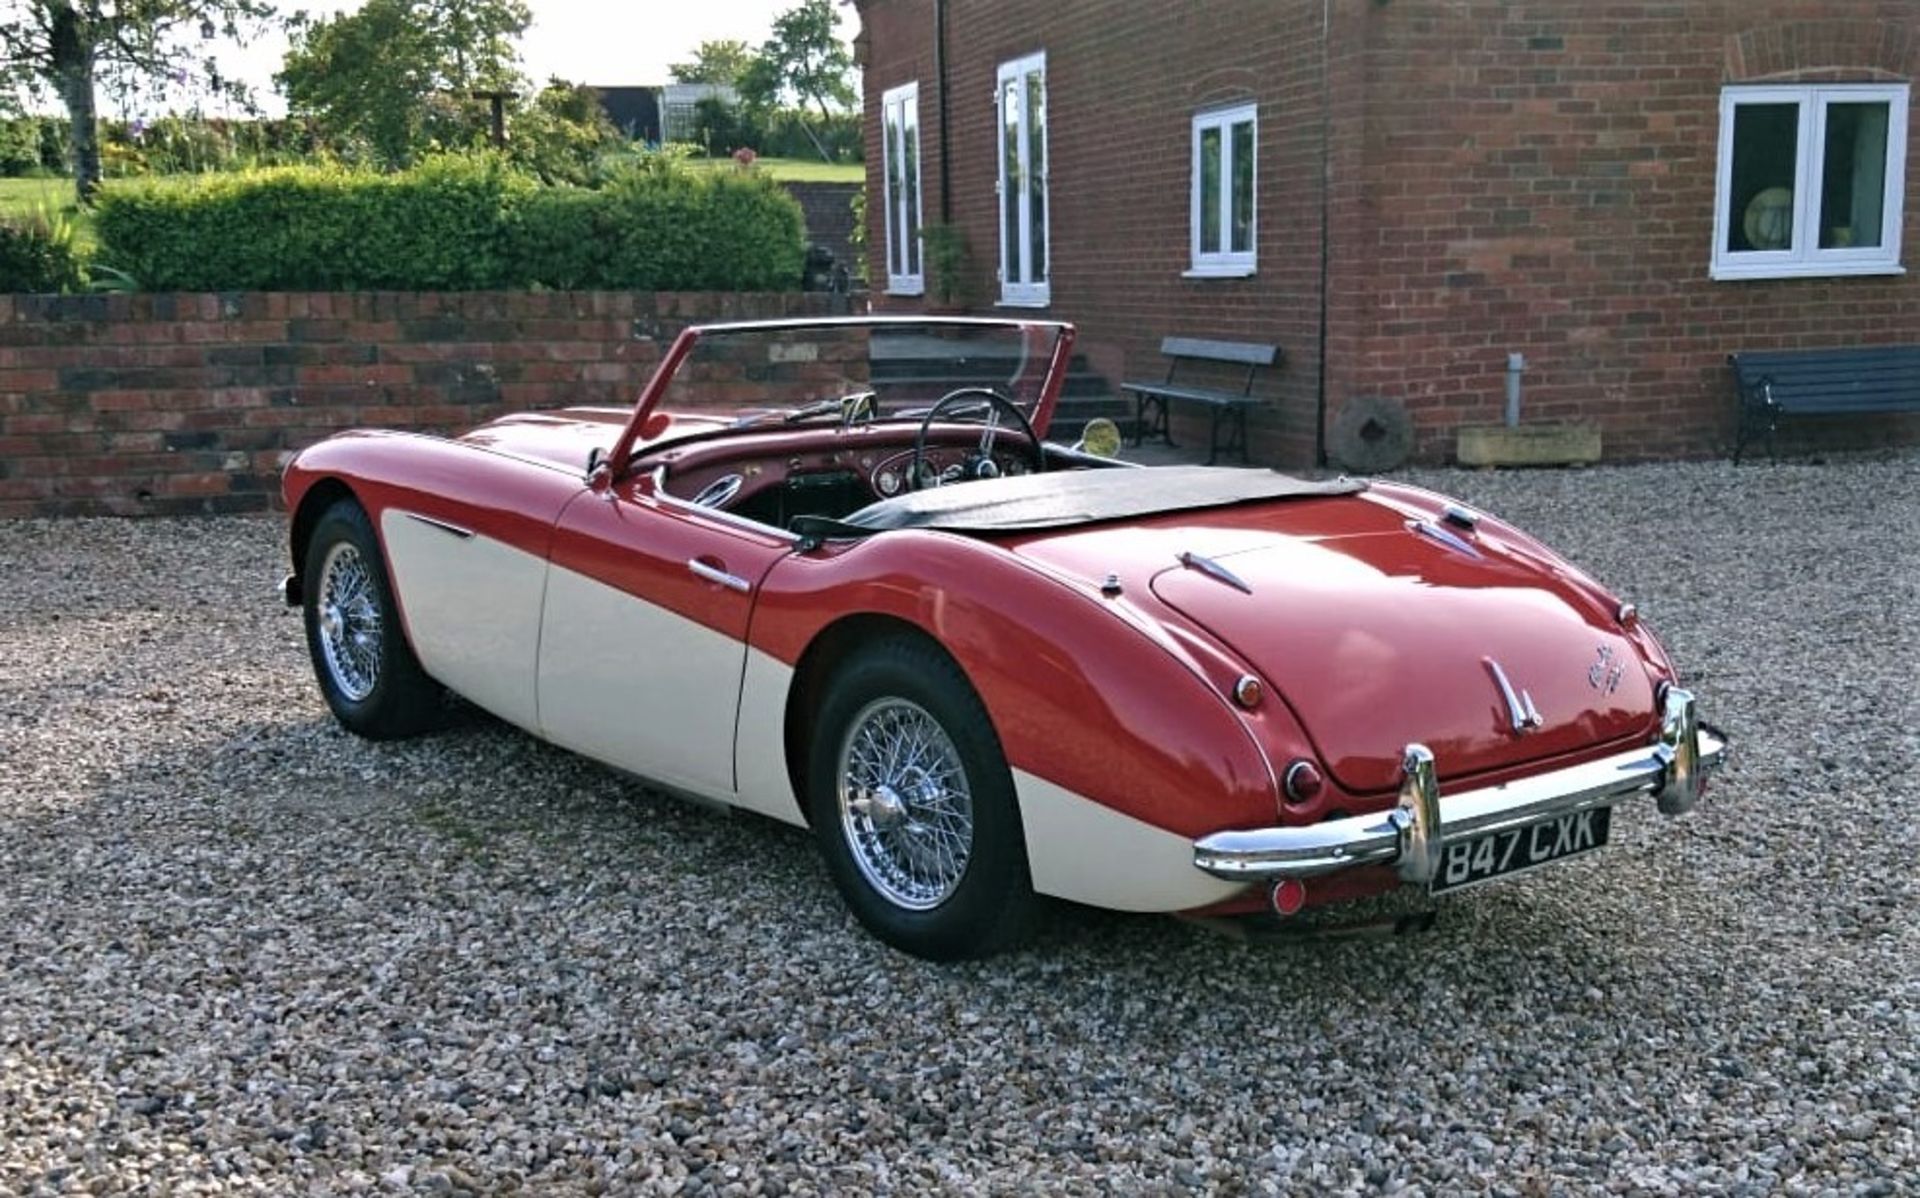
x: 905, y: 805
x: 350, y: 622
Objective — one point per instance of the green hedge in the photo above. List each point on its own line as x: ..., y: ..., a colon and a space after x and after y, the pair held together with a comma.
x: 455, y: 224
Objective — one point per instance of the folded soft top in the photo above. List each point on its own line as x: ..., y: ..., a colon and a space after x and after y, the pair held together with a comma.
x: 1065, y: 498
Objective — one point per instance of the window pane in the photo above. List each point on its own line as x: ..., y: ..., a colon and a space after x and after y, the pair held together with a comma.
x: 890, y: 142
x: 1210, y: 190
x: 910, y: 183
x: 1766, y: 142
x: 1010, y: 193
x: 1853, y: 180
x: 1242, y: 159
x: 1036, y: 177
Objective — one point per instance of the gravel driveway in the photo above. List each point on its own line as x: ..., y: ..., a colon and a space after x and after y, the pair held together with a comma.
x: 243, y: 951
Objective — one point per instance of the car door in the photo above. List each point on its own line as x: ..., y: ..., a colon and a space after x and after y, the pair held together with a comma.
x: 643, y: 639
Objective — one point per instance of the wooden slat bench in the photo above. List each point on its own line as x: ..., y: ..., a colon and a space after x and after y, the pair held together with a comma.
x: 1822, y: 382
x: 1151, y: 399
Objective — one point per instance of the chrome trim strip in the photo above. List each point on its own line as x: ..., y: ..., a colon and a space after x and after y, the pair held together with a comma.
x: 1413, y: 832
x: 708, y: 513
x: 442, y: 525
x: 733, y: 582
x: 1213, y: 569
x: 1432, y: 531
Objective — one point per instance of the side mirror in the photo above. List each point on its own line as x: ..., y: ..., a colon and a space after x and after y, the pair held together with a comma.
x: 599, y: 473
x: 1100, y: 438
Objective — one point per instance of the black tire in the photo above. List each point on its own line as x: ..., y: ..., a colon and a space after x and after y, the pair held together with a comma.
x: 376, y: 689
x: 991, y: 905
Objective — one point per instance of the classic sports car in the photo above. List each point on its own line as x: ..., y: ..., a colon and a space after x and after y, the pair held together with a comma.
x: 833, y: 572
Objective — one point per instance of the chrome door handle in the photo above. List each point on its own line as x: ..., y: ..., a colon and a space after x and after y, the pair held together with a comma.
x: 733, y: 582
x: 442, y: 525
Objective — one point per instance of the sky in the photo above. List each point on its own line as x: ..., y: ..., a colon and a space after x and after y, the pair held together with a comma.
x: 604, y: 42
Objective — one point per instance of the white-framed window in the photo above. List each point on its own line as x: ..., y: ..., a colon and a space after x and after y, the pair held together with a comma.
x: 1222, y: 221
x: 1020, y: 99
x: 900, y: 161
x: 1811, y: 181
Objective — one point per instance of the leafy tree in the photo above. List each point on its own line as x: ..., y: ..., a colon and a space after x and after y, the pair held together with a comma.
x: 399, y: 75
x: 804, y: 60
x: 562, y: 134
x: 73, y: 46
x: 723, y: 62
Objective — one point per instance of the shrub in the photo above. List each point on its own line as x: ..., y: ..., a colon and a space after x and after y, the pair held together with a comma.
x: 436, y: 228
x: 459, y: 223
x: 32, y: 146
x: 553, y: 238
x: 37, y: 254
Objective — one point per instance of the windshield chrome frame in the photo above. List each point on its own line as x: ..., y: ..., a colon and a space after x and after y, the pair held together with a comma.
x: 615, y: 464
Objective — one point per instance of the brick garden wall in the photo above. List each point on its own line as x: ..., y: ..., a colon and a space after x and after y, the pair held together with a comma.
x: 169, y: 404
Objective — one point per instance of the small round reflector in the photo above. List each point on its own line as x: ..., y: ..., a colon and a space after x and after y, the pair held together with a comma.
x: 1287, y: 896
x: 1302, y: 782
x: 1247, y: 691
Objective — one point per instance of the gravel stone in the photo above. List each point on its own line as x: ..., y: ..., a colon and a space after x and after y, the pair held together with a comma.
x: 244, y: 952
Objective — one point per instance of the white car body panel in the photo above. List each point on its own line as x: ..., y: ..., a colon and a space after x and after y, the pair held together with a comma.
x: 637, y: 686
x: 472, y: 608
x: 760, y: 750
x: 1086, y: 852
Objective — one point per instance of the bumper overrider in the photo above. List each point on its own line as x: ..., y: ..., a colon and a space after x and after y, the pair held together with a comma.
x: 1411, y: 835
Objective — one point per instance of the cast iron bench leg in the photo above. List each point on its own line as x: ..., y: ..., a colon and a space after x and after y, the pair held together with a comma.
x: 1236, y: 433
x: 1143, y: 402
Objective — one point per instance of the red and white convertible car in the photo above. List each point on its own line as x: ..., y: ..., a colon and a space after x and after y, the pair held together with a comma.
x: 982, y: 666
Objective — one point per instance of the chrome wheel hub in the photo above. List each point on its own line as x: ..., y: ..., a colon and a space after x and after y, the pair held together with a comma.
x: 349, y: 622
x: 905, y: 809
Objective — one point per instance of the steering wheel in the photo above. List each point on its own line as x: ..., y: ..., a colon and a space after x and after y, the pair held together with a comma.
x: 980, y: 465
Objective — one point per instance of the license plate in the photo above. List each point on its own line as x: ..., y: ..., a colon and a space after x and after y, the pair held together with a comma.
x: 1497, y: 854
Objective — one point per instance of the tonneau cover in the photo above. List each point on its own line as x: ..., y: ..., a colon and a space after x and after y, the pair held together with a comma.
x: 1066, y: 498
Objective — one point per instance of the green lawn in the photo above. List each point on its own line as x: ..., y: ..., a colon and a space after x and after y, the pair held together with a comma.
x: 21, y: 196
x: 797, y: 170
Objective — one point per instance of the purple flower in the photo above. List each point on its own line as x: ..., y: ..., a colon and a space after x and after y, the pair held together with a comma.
x: 178, y: 74
x: 138, y: 129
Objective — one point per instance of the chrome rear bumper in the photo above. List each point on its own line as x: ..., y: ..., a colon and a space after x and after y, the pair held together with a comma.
x: 1410, y: 835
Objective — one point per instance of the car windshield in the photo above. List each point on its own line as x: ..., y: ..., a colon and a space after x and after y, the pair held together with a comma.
x: 861, y: 369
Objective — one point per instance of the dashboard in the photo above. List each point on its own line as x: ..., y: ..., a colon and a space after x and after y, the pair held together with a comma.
x: 830, y: 472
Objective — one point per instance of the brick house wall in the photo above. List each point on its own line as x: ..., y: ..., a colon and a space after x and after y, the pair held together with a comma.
x: 1498, y: 177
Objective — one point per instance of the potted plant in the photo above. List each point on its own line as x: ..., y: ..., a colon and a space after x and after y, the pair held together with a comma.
x: 948, y: 267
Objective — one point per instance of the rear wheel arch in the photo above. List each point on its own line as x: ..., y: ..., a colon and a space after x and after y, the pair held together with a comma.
x: 911, y: 798
x: 830, y: 647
